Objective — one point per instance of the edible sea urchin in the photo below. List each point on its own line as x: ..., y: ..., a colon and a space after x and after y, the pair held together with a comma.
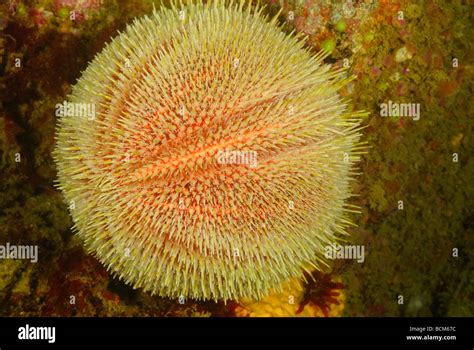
x: 219, y: 158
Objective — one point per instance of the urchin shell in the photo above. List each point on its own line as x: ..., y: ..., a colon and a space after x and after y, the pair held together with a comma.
x: 148, y: 191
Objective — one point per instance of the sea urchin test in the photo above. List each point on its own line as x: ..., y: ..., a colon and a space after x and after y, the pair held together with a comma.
x: 150, y: 189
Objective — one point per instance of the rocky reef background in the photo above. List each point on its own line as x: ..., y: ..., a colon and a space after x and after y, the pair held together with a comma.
x: 404, y: 51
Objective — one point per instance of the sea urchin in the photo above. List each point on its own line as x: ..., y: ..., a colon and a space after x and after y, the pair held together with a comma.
x: 218, y: 159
